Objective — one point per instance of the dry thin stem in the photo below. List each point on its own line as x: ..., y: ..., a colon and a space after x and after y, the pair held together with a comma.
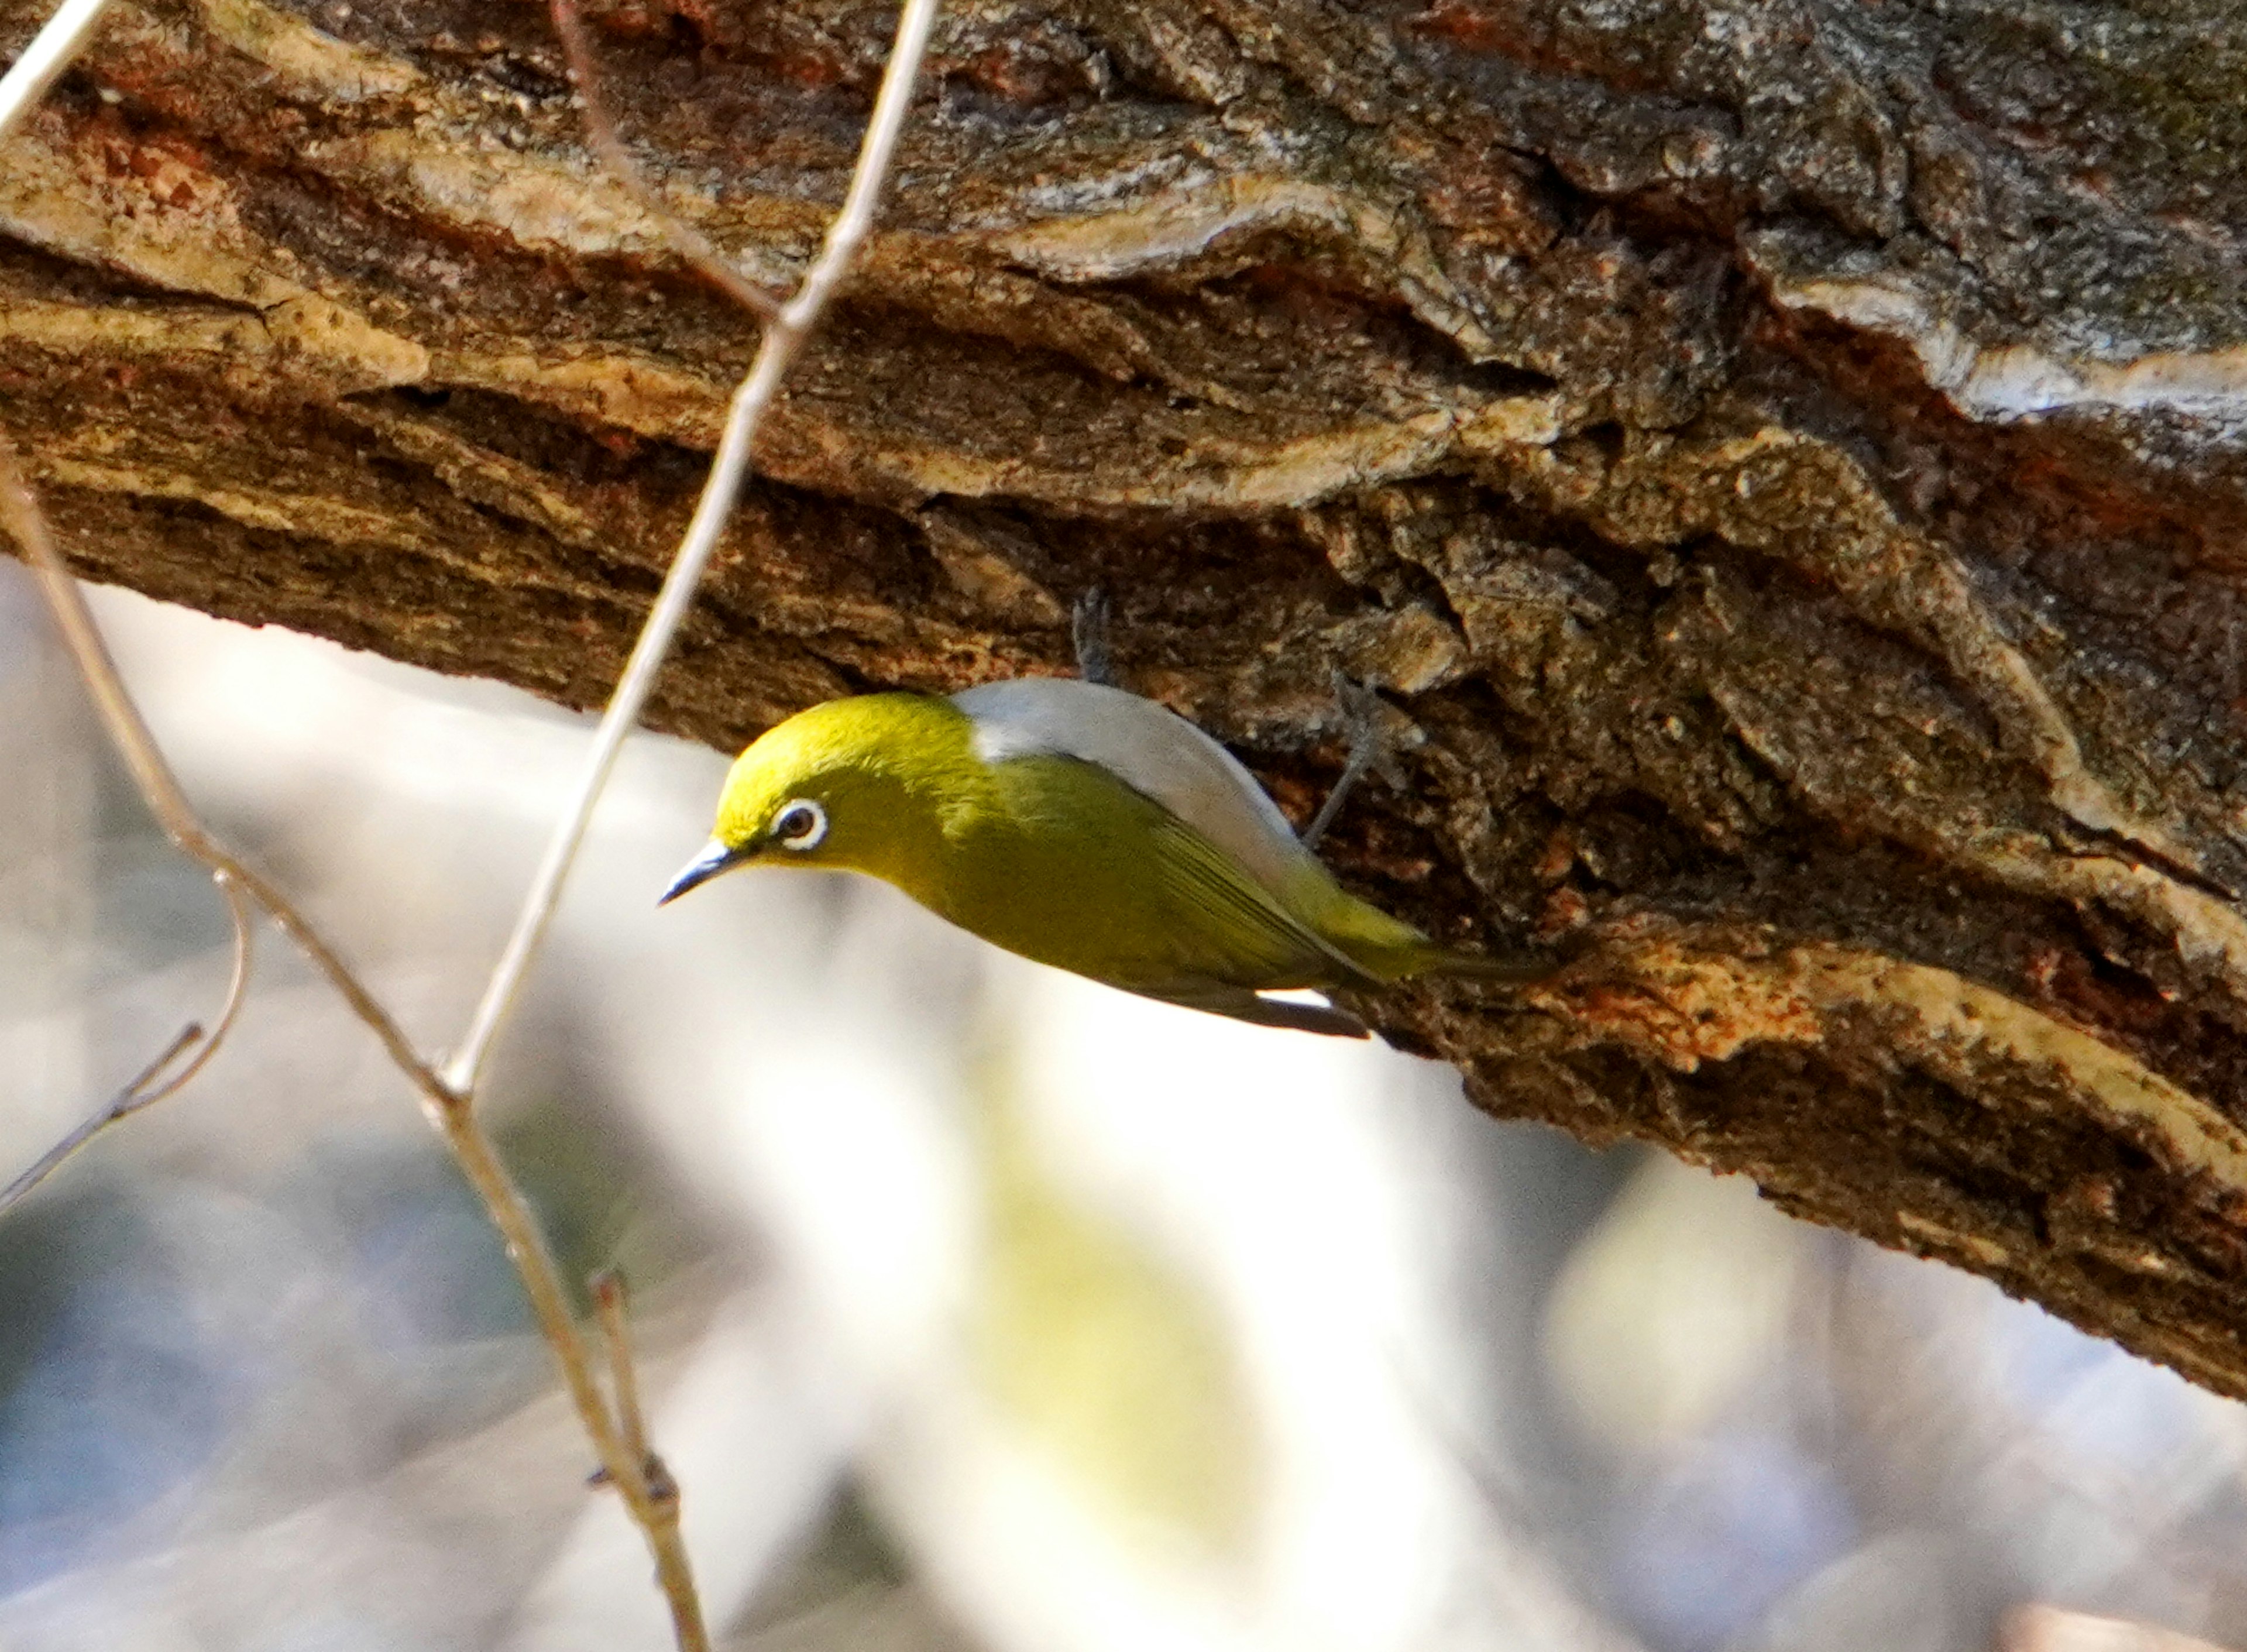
x: 48, y: 55
x: 601, y: 131
x: 649, y: 1495
x: 784, y: 338
x: 127, y: 1102
x: 654, y: 1512
x: 611, y: 1309
x: 20, y: 515
x: 652, y: 1504
x: 167, y: 1073
x: 610, y: 1304
x: 146, y: 1090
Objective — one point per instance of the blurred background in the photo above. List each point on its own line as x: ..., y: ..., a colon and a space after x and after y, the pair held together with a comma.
x: 981, y: 1307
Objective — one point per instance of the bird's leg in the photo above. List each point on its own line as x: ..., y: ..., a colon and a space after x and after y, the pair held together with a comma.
x: 1363, y: 708
x: 1087, y: 632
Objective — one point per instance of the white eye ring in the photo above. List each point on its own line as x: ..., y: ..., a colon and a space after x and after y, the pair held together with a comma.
x: 800, y: 824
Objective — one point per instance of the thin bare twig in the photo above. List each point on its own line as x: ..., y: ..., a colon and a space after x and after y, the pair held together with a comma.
x: 48, y: 55
x: 609, y: 1304
x: 135, y: 1095
x: 618, y: 1437
x: 160, y: 788
x: 654, y: 1502
x: 784, y: 338
x: 166, y: 1074
x: 610, y: 1308
x: 145, y: 1091
x: 689, y: 242
x: 653, y: 1507
x: 472, y: 1149
x: 20, y: 516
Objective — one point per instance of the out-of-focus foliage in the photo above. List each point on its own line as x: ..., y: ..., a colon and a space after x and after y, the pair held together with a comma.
x: 983, y: 1309
x: 1114, y: 1361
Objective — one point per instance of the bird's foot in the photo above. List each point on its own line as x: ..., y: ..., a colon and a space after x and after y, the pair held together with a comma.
x: 1361, y: 707
x: 1088, y: 633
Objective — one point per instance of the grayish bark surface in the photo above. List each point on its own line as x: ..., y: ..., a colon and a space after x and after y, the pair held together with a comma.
x: 1781, y: 463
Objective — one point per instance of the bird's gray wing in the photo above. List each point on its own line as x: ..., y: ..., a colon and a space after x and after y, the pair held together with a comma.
x: 1151, y: 749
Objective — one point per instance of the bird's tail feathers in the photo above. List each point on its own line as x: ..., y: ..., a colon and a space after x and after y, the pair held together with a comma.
x: 1518, y: 971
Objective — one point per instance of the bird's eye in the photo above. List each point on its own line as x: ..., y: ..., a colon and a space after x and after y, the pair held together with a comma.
x: 800, y: 825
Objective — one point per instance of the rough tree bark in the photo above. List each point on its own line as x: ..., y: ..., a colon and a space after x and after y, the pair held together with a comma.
x: 1779, y: 458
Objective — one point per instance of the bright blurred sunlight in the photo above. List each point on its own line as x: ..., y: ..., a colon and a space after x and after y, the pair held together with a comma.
x: 981, y: 1307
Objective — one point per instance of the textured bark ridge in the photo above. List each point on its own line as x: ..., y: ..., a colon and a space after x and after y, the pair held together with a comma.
x: 1779, y: 459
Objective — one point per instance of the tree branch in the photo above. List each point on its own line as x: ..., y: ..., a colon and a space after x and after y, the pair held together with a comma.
x: 1789, y: 585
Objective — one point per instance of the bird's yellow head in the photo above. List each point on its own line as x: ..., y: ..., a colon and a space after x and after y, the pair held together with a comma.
x: 861, y: 784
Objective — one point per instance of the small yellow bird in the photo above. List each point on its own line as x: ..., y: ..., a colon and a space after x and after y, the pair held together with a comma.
x: 1079, y: 825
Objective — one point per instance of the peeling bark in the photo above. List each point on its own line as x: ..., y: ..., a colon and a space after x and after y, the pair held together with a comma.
x: 1779, y: 458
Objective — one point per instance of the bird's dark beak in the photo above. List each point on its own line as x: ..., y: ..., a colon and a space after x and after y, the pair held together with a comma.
x: 715, y: 857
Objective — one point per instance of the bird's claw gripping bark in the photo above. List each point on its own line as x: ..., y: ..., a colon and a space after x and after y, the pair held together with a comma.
x: 1088, y: 634
x: 1361, y: 707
